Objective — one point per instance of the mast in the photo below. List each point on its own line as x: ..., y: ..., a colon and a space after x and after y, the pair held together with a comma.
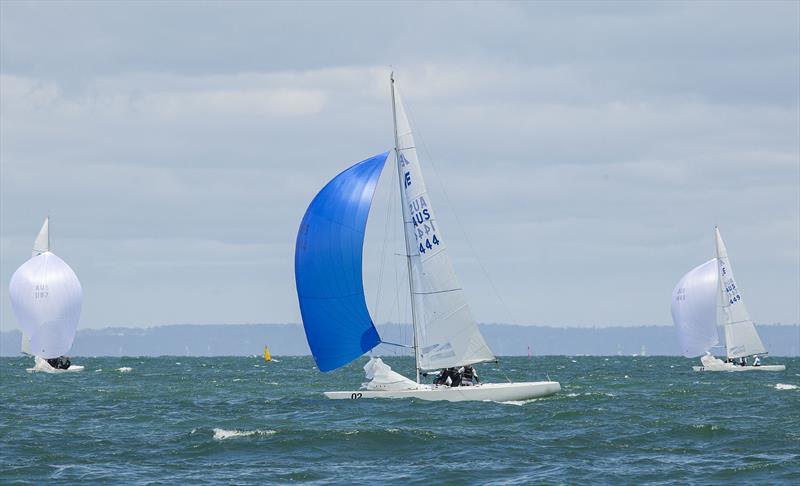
x: 405, y: 231
x: 720, y: 296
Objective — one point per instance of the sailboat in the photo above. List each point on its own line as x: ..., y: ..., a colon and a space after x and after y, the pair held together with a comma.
x: 46, y: 298
x: 706, y: 295
x: 328, y: 274
x: 267, y: 356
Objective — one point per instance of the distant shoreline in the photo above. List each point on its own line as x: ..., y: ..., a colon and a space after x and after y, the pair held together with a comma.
x: 289, y: 340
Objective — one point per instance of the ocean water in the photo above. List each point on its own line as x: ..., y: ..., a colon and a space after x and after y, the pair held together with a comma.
x: 182, y: 420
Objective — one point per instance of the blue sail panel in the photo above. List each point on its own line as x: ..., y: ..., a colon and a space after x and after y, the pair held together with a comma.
x: 327, y: 267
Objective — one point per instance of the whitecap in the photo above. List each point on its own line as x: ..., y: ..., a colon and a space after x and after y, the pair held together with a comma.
x: 222, y: 434
x: 518, y: 403
x: 572, y: 394
x: 785, y: 386
x: 124, y: 369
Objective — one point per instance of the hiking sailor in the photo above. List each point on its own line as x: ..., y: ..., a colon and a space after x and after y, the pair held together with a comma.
x: 60, y: 363
x: 468, y: 374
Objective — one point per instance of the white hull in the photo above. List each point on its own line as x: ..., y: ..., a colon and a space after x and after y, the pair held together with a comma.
x: 734, y: 368
x: 496, y: 392
x: 41, y: 365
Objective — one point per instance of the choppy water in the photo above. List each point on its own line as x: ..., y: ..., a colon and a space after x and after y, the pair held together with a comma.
x: 179, y: 420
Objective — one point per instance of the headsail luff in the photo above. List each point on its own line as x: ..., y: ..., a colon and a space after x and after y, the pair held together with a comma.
x: 328, y: 266
x: 741, y: 337
x: 447, y: 333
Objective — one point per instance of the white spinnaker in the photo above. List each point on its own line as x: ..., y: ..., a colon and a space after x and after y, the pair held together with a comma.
x: 694, y: 309
x: 42, y: 243
x: 46, y: 298
x: 447, y: 334
x: 741, y: 337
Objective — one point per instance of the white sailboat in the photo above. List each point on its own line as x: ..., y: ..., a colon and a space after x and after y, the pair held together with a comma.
x: 46, y: 298
x: 705, y: 296
x: 328, y: 266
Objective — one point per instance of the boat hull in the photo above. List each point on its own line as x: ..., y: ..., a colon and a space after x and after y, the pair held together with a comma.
x: 734, y: 368
x: 42, y: 366
x: 496, y: 392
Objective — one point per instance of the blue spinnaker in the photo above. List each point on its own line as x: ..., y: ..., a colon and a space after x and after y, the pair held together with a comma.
x: 327, y: 267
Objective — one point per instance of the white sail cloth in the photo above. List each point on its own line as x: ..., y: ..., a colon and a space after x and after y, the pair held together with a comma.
x: 741, y: 337
x: 42, y: 242
x: 381, y: 377
x: 46, y: 298
x: 447, y: 333
x: 40, y: 245
x: 694, y: 309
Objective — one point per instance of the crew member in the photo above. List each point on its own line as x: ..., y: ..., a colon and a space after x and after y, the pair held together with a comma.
x: 60, y: 363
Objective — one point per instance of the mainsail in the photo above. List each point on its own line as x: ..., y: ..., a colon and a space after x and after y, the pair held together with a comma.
x: 741, y: 338
x: 328, y: 266
x: 694, y: 309
x: 46, y: 298
x: 447, y: 334
x: 42, y: 242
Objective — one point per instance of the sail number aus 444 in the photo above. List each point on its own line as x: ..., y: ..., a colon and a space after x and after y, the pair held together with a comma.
x: 429, y: 244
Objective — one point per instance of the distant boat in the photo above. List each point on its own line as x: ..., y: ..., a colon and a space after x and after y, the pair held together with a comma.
x: 267, y: 357
x: 46, y: 298
x: 328, y: 266
x: 703, y: 297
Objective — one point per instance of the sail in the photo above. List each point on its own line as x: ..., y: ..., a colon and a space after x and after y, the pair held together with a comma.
x: 42, y: 242
x: 694, y: 309
x: 25, y: 346
x: 267, y: 356
x: 447, y: 334
x: 327, y: 267
x: 741, y: 337
x: 46, y: 298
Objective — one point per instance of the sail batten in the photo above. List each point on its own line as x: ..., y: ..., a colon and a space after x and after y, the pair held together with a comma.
x: 328, y: 267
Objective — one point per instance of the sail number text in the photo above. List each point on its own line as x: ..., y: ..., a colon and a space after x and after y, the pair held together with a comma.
x: 424, y: 227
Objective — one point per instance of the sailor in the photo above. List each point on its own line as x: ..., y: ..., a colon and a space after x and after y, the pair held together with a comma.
x: 756, y: 361
x: 743, y: 361
x: 60, y: 363
x: 468, y: 375
x: 447, y: 376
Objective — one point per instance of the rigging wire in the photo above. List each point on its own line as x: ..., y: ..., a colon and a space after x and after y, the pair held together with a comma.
x: 429, y: 158
x: 424, y: 146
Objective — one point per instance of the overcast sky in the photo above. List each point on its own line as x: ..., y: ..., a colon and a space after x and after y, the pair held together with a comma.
x: 578, y: 154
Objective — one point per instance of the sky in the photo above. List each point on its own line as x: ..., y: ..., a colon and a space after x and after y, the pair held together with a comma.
x: 579, y: 154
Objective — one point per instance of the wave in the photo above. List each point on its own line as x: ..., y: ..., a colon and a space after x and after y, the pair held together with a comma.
x: 124, y: 369
x: 785, y: 386
x: 518, y: 403
x: 223, y: 434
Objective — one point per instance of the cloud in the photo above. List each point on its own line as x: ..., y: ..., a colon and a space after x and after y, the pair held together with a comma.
x: 582, y: 152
